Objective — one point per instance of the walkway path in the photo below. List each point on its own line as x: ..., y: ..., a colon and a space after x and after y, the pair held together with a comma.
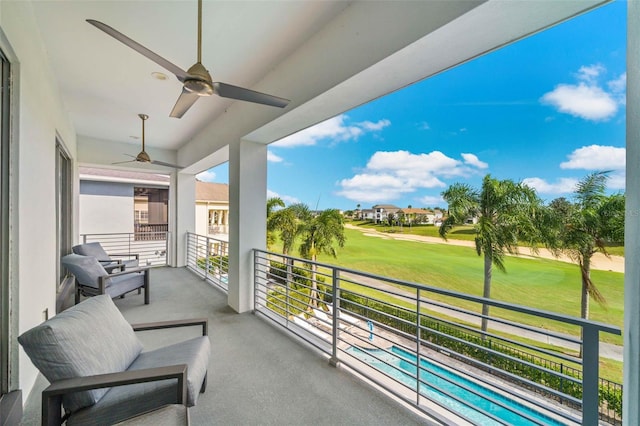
x: 599, y: 261
x: 607, y: 350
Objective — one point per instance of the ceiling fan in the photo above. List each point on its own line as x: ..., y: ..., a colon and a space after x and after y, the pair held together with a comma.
x: 196, y: 80
x: 143, y: 157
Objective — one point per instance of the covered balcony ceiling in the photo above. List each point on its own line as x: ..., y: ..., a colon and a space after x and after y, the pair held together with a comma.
x: 325, y: 56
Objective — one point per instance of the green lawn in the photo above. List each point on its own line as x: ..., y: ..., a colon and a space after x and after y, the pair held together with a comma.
x: 543, y: 284
x: 538, y: 283
x: 465, y: 232
x: 457, y: 233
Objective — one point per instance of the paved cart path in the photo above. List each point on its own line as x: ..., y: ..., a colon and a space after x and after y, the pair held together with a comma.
x: 599, y: 261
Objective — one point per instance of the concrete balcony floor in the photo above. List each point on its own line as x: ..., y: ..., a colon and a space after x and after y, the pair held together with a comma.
x: 258, y: 374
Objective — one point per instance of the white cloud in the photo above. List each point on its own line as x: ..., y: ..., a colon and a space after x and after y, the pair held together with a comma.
x: 432, y: 201
x: 472, y: 160
x: 560, y: 186
x: 588, y: 99
x: 334, y: 129
x: 588, y: 102
x: 273, y: 157
x: 388, y: 175
x: 616, y: 181
x: 596, y: 157
x: 590, y: 73
x: 374, y: 127
x: 424, y: 126
x: 286, y: 198
x: 618, y: 85
x: 206, y: 176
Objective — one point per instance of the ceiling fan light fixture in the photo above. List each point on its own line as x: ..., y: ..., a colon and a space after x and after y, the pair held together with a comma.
x: 159, y: 75
x: 199, y: 87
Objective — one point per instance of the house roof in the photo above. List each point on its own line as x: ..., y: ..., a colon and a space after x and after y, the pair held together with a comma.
x: 386, y: 206
x: 415, y: 211
x: 210, y: 191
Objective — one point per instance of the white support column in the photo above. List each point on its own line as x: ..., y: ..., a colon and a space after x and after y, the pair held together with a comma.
x: 631, y: 395
x: 248, y: 221
x: 182, y: 216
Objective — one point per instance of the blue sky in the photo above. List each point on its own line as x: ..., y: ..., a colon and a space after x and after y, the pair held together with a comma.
x: 547, y: 110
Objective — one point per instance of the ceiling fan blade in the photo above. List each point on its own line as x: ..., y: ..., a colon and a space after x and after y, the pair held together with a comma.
x: 123, y: 162
x: 179, y: 72
x: 184, y: 102
x: 242, y: 94
x: 162, y: 163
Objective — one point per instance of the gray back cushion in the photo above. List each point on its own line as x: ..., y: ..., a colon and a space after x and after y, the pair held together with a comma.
x: 90, y: 338
x: 86, y: 269
x: 92, y: 249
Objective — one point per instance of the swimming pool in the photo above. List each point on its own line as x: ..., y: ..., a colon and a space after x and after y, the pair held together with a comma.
x: 400, y: 364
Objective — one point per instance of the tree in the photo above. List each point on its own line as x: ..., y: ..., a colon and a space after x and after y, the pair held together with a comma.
x: 319, y: 235
x: 506, y: 213
x: 391, y: 218
x: 581, y: 229
x: 273, y: 203
x: 290, y: 221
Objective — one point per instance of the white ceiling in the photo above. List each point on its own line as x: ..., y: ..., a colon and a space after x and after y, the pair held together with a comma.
x: 105, y: 84
x: 326, y: 56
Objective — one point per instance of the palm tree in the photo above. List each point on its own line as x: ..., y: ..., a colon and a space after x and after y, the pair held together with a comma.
x: 581, y: 229
x: 506, y: 213
x: 319, y: 235
x: 272, y: 205
x: 290, y: 222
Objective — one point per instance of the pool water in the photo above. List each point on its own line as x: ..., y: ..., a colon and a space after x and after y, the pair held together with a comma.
x: 402, y: 366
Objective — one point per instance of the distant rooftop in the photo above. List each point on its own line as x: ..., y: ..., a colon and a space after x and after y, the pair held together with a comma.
x: 209, y: 191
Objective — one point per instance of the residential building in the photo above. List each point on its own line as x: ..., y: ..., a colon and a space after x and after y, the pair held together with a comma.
x: 382, y: 211
x: 71, y: 95
x: 212, y: 209
x: 420, y: 216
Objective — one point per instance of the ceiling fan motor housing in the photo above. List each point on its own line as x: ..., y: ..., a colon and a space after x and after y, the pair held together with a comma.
x: 199, y: 81
x: 143, y: 157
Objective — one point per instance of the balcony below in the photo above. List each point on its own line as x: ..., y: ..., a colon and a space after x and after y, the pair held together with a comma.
x: 258, y: 373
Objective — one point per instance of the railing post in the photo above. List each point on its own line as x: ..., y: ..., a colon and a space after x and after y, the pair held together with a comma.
x: 206, y: 256
x: 84, y: 239
x: 417, y: 346
x: 336, y: 306
x: 166, y: 248
x: 590, y: 364
x: 287, y: 282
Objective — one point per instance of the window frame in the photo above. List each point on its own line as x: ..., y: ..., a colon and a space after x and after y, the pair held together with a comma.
x: 5, y: 142
x: 64, y: 207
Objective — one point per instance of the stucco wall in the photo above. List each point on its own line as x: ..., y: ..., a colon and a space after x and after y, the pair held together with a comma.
x: 40, y: 117
x: 106, y: 207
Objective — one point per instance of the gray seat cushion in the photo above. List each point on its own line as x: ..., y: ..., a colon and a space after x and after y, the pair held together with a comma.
x: 86, y: 269
x: 124, y: 283
x: 87, y: 339
x: 92, y: 249
x: 95, y: 250
x: 123, y: 402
